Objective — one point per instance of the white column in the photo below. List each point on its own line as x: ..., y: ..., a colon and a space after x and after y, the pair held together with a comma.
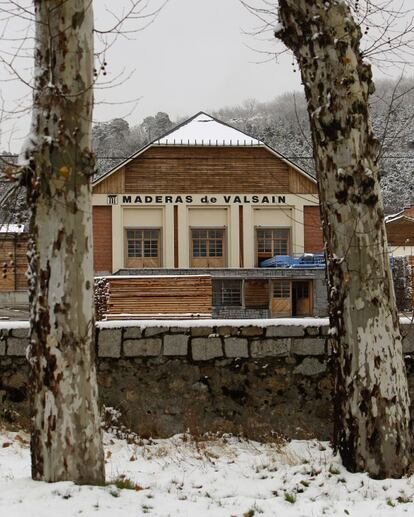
x: 183, y: 237
x: 248, y: 236
x: 168, y: 236
x: 233, y: 242
x: 298, y: 227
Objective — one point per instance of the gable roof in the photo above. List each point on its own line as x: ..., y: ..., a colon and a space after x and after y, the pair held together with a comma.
x: 204, y: 130
x: 398, y: 217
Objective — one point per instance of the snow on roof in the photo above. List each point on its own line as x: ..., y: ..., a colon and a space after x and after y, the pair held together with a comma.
x: 11, y: 228
x: 396, y: 217
x: 206, y: 130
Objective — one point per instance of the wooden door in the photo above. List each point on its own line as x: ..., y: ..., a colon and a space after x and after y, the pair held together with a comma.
x: 281, y: 304
x: 302, y: 293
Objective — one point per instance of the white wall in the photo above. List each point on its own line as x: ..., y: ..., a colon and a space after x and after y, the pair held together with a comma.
x: 221, y: 212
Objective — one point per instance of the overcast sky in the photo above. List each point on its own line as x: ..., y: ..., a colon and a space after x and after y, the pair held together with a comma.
x: 194, y: 57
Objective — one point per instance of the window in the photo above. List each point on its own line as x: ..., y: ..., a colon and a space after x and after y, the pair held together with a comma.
x: 207, y: 243
x: 271, y: 242
x: 302, y: 289
x: 143, y: 247
x: 281, y: 289
x: 227, y: 293
x: 207, y: 247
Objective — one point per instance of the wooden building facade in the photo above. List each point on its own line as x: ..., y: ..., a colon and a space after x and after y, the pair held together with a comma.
x: 207, y: 198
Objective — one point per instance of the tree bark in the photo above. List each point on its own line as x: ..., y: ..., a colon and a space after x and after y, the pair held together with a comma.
x: 372, y: 418
x: 66, y: 441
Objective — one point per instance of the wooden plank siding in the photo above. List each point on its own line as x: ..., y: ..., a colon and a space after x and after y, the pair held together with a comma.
x: 102, y: 238
x: 400, y: 232
x: 300, y: 184
x: 21, y: 262
x: 113, y: 184
x: 256, y: 294
x: 13, y: 259
x: 411, y: 260
x: 249, y: 170
x: 313, y: 235
x: 141, y: 297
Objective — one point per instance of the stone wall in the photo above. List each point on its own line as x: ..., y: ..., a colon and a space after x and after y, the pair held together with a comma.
x: 252, y: 377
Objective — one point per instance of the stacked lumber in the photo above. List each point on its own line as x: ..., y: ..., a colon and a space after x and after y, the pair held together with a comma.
x: 21, y: 263
x: 7, y: 255
x: 13, y: 259
x: 101, y: 294
x: 147, y: 297
x: 155, y: 317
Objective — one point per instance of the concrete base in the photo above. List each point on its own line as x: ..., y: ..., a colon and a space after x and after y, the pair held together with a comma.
x: 18, y: 299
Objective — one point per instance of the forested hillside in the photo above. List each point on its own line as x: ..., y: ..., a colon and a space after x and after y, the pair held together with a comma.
x: 283, y: 124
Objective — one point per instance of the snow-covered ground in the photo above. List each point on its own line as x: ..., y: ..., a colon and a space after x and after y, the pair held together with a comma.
x: 224, y: 477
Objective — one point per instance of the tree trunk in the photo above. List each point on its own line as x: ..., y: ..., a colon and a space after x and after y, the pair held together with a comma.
x: 372, y: 419
x: 66, y: 439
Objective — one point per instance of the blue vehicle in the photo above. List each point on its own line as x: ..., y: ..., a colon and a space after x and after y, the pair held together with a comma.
x: 307, y: 260
x: 310, y: 260
x: 277, y: 261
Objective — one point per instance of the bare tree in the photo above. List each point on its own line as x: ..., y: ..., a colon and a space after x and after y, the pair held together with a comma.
x: 372, y: 417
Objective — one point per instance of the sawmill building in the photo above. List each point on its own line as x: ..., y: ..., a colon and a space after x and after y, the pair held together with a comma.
x: 208, y: 199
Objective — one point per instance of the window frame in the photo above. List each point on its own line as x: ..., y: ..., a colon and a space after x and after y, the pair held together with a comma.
x: 221, y: 295
x: 144, y: 258
x: 207, y: 257
x: 281, y: 288
x: 258, y: 229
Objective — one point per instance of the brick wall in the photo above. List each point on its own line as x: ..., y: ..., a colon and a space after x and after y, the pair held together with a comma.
x: 313, y: 229
x: 102, y: 239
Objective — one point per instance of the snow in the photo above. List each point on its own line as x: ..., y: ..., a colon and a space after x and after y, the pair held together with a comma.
x: 12, y: 228
x: 28, y: 147
x: 278, y: 28
x: 7, y: 324
x: 208, y: 478
x: 205, y: 130
x: 262, y: 323
x: 397, y: 217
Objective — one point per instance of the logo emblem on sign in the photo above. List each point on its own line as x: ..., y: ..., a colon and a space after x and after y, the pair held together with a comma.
x: 112, y: 199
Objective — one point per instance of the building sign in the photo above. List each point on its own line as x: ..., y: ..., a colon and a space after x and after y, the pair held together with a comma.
x: 207, y: 199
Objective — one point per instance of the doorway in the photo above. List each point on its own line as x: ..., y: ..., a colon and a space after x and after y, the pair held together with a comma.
x: 301, y: 298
